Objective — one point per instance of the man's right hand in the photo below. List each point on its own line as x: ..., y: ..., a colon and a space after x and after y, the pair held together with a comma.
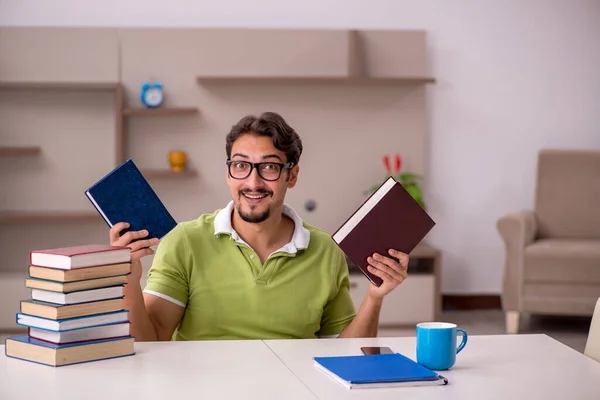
x: 139, y: 248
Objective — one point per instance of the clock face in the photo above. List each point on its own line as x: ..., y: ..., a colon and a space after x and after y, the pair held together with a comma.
x: 153, y: 96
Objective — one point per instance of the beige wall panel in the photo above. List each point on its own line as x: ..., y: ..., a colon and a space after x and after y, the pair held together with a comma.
x: 393, y: 54
x: 346, y: 127
x: 253, y: 52
x: 18, y: 239
x: 59, y: 54
x: 75, y: 133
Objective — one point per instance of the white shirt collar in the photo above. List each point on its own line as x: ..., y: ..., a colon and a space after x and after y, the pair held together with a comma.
x: 300, y: 238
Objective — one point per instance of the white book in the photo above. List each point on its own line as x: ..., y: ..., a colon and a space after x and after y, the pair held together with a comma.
x: 82, y: 296
x: 81, y: 335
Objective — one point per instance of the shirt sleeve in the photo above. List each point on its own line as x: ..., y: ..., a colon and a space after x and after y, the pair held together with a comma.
x: 339, y: 310
x: 168, y: 276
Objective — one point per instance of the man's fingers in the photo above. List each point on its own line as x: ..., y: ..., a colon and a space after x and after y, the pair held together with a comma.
x: 131, y: 236
x: 118, y: 240
x: 390, y: 262
x: 378, y: 272
x: 139, y: 247
x: 136, y: 255
x: 394, y: 271
x: 115, y: 231
x: 142, y: 244
x: 403, y: 258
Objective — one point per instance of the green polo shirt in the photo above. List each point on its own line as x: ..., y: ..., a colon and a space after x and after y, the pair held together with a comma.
x: 301, y: 291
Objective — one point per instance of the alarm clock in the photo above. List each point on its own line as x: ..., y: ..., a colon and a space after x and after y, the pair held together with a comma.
x: 152, y: 94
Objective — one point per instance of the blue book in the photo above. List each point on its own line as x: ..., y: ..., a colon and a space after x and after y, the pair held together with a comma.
x: 381, y: 370
x: 66, y: 324
x: 27, y: 348
x: 124, y: 195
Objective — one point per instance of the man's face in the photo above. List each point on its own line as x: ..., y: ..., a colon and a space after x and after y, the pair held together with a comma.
x: 254, y: 197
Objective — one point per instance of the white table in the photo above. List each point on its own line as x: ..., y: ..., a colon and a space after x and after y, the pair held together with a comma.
x: 523, y: 367
x: 164, y: 370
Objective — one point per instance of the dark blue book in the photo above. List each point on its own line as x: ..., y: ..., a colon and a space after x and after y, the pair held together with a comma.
x: 381, y: 370
x: 124, y: 195
x: 38, y: 351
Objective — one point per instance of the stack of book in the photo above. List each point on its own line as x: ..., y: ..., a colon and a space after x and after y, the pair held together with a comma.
x: 76, y: 312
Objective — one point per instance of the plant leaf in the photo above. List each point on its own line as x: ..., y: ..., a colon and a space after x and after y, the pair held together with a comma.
x: 414, y: 191
x: 409, y: 176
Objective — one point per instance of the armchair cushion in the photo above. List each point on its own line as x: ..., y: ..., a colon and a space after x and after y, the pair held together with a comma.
x: 562, y: 261
x: 568, y: 194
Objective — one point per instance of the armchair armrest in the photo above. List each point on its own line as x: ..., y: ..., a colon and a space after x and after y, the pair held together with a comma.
x: 517, y: 230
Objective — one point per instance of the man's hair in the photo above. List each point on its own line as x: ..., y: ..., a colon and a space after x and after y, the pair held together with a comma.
x: 269, y: 124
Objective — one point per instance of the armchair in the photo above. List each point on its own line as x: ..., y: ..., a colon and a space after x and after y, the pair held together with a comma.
x: 552, y: 260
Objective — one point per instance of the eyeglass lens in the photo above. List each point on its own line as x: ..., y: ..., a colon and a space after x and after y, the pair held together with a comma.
x: 242, y: 169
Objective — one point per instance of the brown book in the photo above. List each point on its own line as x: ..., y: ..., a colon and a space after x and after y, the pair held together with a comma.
x: 80, y: 274
x: 389, y: 219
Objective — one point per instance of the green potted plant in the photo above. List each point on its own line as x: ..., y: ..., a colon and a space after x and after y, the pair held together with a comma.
x: 406, y: 179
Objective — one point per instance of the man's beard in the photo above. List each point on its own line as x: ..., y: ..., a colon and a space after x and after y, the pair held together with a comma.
x: 254, y: 218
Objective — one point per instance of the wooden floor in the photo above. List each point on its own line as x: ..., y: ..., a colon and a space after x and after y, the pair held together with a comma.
x: 570, y: 331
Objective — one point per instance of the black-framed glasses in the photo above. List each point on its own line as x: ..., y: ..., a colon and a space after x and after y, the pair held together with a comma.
x: 269, y: 171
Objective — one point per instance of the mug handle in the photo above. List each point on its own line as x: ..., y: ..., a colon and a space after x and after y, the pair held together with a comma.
x: 464, y: 339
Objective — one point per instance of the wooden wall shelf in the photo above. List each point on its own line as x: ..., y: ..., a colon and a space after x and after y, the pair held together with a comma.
x: 48, y: 216
x: 167, y: 173
x: 108, y: 86
x: 114, y: 88
x: 314, y: 79
x: 19, y: 151
x: 131, y: 112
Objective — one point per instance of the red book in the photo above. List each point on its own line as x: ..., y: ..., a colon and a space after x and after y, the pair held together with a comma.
x: 80, y: 256
x: 389, y: 219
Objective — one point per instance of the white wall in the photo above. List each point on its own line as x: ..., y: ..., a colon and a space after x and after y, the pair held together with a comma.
x: 513, y: 76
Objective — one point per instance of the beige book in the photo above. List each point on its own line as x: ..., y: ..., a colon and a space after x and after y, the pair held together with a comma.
x: 72, y: 275
x: 29, y: 349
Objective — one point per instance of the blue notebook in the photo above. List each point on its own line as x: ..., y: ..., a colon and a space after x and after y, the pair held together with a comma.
x: 381, y: 370
x: 124, y: 195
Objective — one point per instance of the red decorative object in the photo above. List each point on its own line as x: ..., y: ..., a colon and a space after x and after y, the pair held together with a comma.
x: 407, y: 179
x: 386, y: 162
x: 397, y: 164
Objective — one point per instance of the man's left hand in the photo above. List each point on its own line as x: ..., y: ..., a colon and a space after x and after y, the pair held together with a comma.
x: 393, y: 271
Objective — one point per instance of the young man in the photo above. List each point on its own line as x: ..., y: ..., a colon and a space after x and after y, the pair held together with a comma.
x: 253, y: 270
